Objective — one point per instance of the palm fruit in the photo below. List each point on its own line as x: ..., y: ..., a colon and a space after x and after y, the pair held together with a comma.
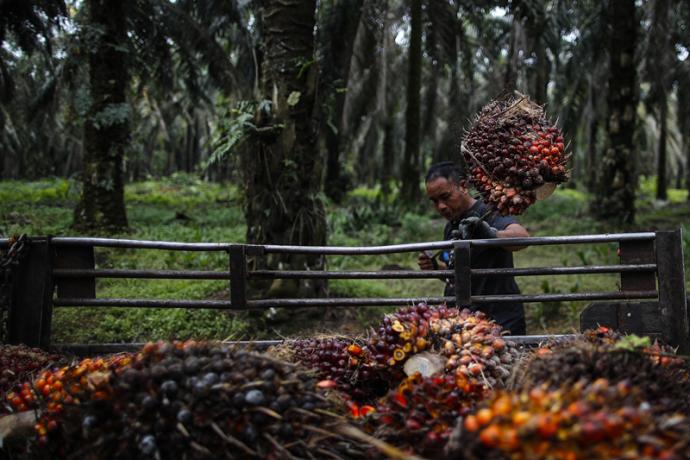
x: 405, y: 332
x: 587, y: 420
x: 18, y: 365
x: 346, y: 362
x: 511, y: 151
x: 194, y: 400
x: 419, y: 415
x: 472, y: 345
x: 476, y: 352
x: 663, y: 377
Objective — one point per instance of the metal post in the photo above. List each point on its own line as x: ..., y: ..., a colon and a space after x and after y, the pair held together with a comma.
x: 238, y: 276
x: 672, y: 301
x: 31, y: 310
x: 463, y: 278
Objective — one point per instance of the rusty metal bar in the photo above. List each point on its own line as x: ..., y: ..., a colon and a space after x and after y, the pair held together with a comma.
x: 223, y: 304
x: 672, y: 300
x: 496, y: 242
x: 383, y: 274
x: 349, y: 301
x: 346, y: 250
x: 463, y: 273
x: 143, y: 274
x: 140, y: 244
x: 565, y: 297
x: 316, y: 274
x: 238, y: 276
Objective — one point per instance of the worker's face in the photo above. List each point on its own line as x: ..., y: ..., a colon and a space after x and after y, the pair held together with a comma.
x: 449, y: 198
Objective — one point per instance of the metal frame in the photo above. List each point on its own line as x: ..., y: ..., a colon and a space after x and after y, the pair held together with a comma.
x: 645, y: 256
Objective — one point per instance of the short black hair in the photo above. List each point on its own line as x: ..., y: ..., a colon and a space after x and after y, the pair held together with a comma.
x: 446, y: 169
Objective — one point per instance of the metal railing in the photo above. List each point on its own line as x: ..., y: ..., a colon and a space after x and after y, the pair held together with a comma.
x: 68, y: 264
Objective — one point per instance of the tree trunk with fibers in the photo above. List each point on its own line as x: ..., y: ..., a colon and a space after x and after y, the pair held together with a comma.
x: 410, y: 168
x: 282, y: 174
x: 617, y: 183
x: 106, y: 134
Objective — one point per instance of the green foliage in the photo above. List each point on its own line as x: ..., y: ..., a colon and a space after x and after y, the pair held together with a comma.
x: 112, y: 114
x: 236, y: 127
x: 632, y: 343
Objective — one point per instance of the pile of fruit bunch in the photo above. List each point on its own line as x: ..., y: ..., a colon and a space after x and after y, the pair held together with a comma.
x: 476, y: 352
x: 663, y: 376
x: 196, y: 400
x: 344, y: 361
x: 588, y: 420
x: 511, y: 151
x: 419, y: 415
x: 18, y: 365
x: 471, y: 345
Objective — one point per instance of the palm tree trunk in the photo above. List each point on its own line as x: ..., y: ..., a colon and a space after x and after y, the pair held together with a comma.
x: 335, y: 68
x: 410, y: 167
x: 661, y: 182
x: 106, y: 133
x: 283, y: 174
x: 617, y: 184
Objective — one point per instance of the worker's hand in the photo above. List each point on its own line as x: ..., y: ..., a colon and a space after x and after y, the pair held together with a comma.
x: 475, y: 228
x: 426, y: 263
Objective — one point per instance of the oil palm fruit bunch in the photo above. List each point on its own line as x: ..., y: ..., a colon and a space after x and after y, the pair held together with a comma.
x: 18, y: 365
x: 345, y: 362
x: 663, y: 377
x: 405, y: 332
x: 475, y: 351
x: 419, y: 415
x: 198, y: 400
x: 471, y: 345
x: 512, y: 151
x: 588, y: 420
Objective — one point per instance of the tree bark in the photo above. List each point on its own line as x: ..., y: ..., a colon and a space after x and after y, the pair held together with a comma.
x: 617, y: 184
x: 106, y: 133
x: 282, y: 175
x: 335, y: 73
x: 410, y: 168
x: 661, y: 182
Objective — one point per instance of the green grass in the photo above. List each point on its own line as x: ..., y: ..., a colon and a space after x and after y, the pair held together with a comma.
x: 183, y: 208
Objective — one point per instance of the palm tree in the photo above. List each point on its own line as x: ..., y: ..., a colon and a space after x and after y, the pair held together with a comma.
x: 409, y: 190
x: 282, y: 176
x: 106, y: 133
x: 660, y: 56
x: 617, y: 183
x: 158, y: 40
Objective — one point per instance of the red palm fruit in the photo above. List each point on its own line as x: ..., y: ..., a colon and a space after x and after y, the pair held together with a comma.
x: 517, y: 127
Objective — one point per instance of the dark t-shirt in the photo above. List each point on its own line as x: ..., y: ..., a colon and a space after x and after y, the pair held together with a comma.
x: 509, y: 315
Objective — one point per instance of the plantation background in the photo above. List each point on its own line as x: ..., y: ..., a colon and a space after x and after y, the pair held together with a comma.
x: 313, y: 123
x: 185, y: 208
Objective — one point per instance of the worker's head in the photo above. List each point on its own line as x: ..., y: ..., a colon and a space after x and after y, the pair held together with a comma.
x: 447, y: 190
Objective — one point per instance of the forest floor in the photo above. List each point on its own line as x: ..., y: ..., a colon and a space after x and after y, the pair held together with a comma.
x: 182, y: 208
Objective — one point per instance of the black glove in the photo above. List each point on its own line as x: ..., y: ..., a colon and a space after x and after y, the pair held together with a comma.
x: 475, y: 228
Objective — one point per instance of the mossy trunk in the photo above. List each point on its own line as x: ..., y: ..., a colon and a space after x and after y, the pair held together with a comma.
x: 106, y: 133
x: 617, y: 183
x: 282, y: 174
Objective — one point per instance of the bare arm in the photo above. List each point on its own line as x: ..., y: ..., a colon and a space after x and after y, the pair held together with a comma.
x: 513, y: 231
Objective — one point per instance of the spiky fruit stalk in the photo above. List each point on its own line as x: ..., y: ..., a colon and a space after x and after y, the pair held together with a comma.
x: 513, y: 152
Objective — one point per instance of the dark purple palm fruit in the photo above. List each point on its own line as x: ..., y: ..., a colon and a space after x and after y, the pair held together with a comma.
x: 515, y: 155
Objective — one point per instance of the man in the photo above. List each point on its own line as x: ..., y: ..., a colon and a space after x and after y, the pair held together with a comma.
x: 445, y: 187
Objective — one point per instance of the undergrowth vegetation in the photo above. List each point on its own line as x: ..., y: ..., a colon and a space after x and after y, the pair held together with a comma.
x: 184, y: 208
